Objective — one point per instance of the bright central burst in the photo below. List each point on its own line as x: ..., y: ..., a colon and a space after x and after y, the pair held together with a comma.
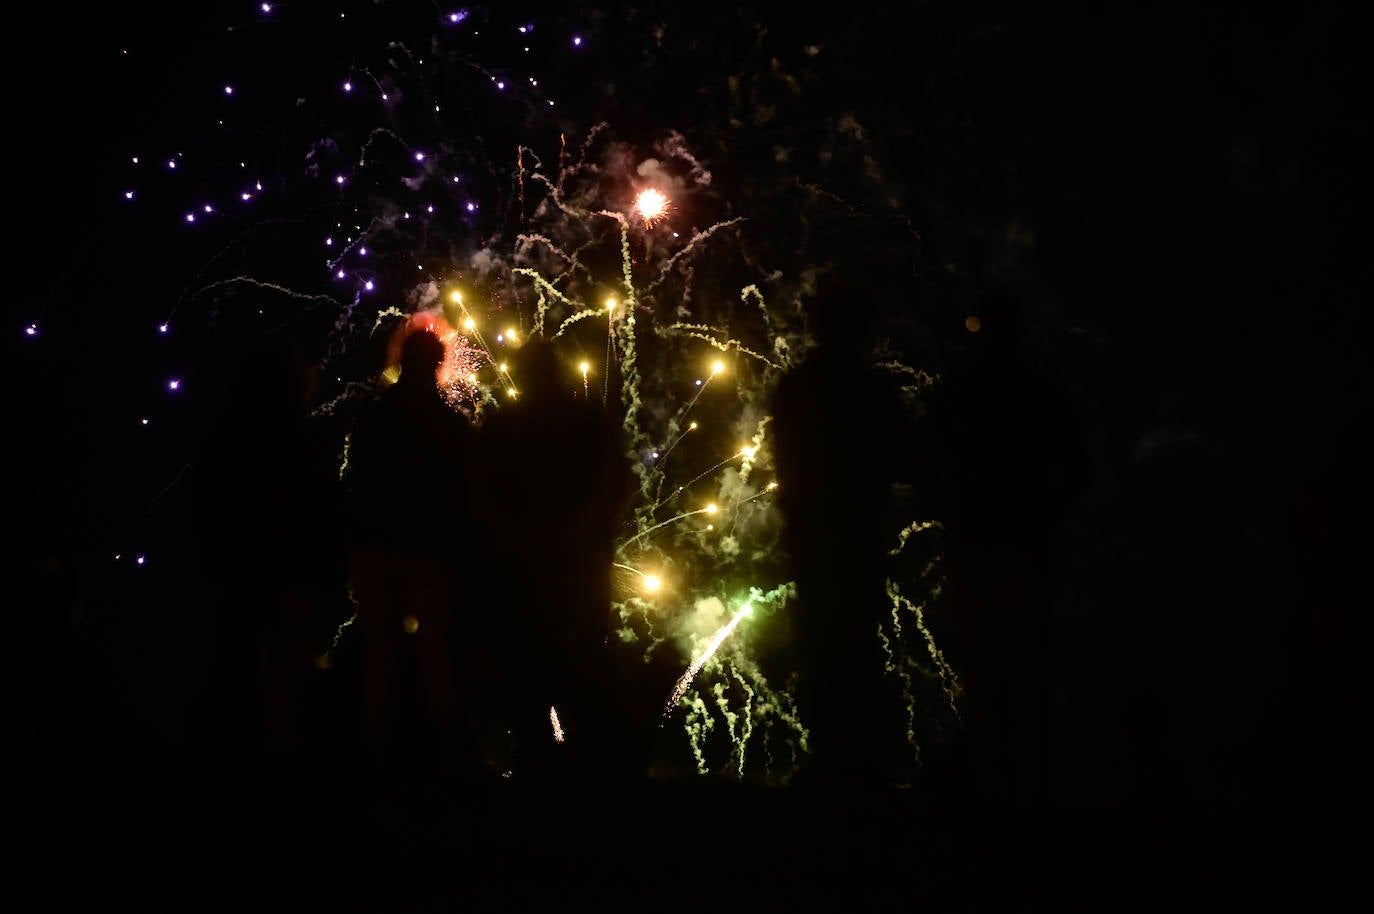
x: 651, y: 204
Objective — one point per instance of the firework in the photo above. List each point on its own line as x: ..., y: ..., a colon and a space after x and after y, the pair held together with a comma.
x: 651, y: 205
x: 402, y: 219
x: 696, y: 665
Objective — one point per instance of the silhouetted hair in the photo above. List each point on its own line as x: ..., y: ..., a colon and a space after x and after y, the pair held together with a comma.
x: 536, y: 369
x: 421, y: 354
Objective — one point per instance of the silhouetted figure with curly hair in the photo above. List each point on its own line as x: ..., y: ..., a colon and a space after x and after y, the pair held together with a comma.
x: 408, y: 459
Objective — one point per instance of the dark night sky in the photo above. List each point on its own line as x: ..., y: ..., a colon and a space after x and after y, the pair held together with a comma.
x: 1192, y: 181
x: 1182, y: 190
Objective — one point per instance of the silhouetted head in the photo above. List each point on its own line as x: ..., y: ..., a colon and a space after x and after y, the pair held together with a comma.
x: 537, y: 371
x: 421, y: 355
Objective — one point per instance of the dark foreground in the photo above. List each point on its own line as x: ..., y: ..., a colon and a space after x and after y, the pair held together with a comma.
x: 169, y: 832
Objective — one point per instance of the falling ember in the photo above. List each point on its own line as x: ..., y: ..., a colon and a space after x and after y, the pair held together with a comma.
x: 557, y: 727
x: 716, y: 641
x: 651, y: 204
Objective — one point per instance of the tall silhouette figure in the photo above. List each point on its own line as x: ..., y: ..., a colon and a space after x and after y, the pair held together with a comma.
x: 836, y: 432
x: 263, y: 507
x: 1003, y: 455
x: 408, y: 460
x: 557, y: 483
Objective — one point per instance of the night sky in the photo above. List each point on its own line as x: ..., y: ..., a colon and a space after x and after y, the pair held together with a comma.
x: 1174, y: 198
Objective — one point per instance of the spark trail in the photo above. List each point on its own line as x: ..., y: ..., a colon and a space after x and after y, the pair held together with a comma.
x: 695, y: 667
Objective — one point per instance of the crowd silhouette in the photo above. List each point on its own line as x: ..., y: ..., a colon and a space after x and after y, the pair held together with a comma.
x: 455, y: 567
x: 432, y: 608
x: 475, y: 550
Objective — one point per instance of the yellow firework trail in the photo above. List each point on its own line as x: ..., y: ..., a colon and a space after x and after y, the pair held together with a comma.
x: 716, y: 641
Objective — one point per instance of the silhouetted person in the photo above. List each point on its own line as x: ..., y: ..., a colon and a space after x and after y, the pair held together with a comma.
x: 557, y: 482
x: 263, y: 504
x: 408, y: 459
x: 836, y: 429
x: 1003, y: 455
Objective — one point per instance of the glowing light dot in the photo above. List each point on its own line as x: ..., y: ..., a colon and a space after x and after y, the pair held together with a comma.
x: 338, y: 179
x: 348, y: 87
x: 208, y: 208
x: 171, y: 163
x: 500, y: 85
x: 610, y: 304
x: 328, y: 242
x: 340, y: 274
x: 470, y: 324
x: 410, y: 624
x: 584, y: 368
x: 135, y: 160
x: 31, y: 330
x: 652, y: 582
x: 502, y: 366
x: 228, y: 90
x: 471, y: 206
x: 139, y: 560
x: 455, y: 17
x: 973, y: 324
x: 174, y: 384
x: 456, y: 297
x: 246, y: 195
x: 522, y: 29
x: 190, y: 217
x: 772, y: 486
x: 510, y: 334
x: 429, y: 209
x: 693, y: 426
x: 142, y: 421
x: 267, y: 7
x: 161, y: 328
x: 577, y: 41
x: 500, y: 337
x: 711, y: 508
x: 472, y: 377
x: 258, y: 185
x: 717, y: 367
x: 362, y: 251
x: 511, y: 391
x: 748, y: 451
x: 698, y: 382
x: 419, y: 156
x: 383, y: 96
x: 368, y: 285
x: 128, y: 195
